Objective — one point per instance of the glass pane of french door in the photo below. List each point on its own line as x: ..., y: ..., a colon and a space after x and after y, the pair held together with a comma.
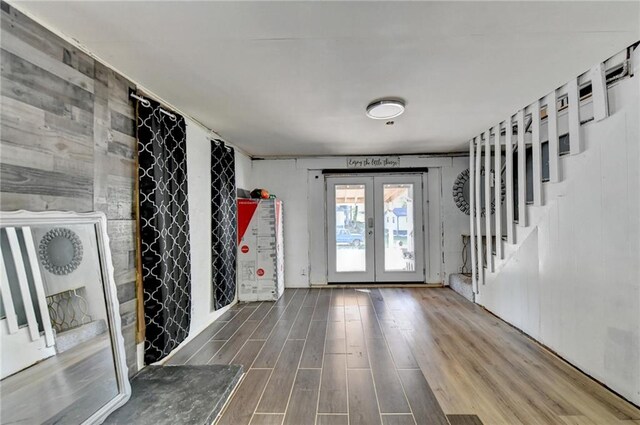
x: 399, y: 240
x: 399, y: 244
x: 350, y: 229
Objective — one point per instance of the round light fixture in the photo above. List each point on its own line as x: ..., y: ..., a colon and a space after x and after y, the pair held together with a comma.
x: 385, y: 109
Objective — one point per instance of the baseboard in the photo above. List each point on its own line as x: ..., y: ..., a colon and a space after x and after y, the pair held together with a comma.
x: 195, y: 332
x: 378, y: 285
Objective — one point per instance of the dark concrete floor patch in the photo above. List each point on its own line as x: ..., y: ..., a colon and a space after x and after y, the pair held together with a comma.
x: 177, y: 395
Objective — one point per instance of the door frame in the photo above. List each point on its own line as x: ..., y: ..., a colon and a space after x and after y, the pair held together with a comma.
x: 329, y: 223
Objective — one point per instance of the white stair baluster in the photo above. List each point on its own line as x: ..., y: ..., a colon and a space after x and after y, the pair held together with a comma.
x: 472, y: 217
x: 497, y: 167
x: 509, y: 176
x: 488, y: 199
x: 574, y: 117
x: 478, y: 210
x: 32, y: 255
x: 537, y: 154
x: 522, y: 172
x: 599, y: 92
x: 7, y: 299
x: 554, y: 152
x: 24, y: 283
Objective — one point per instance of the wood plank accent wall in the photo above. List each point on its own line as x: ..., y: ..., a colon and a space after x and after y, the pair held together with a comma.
x: 68, y: 142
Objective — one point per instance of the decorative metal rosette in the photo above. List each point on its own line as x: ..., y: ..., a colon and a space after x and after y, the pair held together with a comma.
x: 463, y: 203
x: 69, y: 246
x: 458, y: 192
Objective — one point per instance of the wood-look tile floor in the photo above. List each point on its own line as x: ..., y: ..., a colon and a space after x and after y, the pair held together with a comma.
x: 393, y: 357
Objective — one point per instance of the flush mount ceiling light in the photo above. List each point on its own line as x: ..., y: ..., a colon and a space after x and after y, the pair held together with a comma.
x: 385, y: 109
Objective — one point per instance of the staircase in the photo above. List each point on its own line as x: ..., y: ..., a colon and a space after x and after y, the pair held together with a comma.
x: 516, y: 147
x: 567, y: 245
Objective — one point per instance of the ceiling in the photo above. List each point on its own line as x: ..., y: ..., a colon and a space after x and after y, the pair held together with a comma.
x: 294, y: 78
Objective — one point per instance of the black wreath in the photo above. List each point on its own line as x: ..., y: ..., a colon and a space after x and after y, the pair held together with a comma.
x: 71, y: 236
x: 463, y: 203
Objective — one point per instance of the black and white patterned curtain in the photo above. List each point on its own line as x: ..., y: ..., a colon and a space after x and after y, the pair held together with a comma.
x: 164, y: 229
x: 223, y: 224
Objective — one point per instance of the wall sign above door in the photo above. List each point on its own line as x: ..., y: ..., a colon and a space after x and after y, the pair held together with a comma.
x: 373, y: 162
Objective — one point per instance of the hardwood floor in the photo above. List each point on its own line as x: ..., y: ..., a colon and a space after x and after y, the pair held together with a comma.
x: 65, y: 388
x: 393, y: 356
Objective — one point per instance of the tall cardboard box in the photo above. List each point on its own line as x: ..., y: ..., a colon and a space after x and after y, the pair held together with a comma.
x: 260, y: 250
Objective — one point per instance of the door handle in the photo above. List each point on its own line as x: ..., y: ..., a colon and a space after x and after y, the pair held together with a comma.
x: 370, y: 222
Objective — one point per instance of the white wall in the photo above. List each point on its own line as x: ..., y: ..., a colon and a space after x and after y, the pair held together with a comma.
x: 300, y: 184
x: 244, y: 171
x: 455, y: 222
x: 199, y: 187
x: 289, y: 183
x: 574, y: 282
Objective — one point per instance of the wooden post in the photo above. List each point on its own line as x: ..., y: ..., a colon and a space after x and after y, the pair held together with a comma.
x: 140, y: 325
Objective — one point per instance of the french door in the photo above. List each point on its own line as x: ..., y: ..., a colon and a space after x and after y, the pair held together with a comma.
x: 375, y: 228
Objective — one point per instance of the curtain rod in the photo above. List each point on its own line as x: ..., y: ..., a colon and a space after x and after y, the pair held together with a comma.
x: 146, y: 103
x: 219, y: 142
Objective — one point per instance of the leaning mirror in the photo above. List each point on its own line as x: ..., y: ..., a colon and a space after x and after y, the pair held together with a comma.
x: 62, y: 356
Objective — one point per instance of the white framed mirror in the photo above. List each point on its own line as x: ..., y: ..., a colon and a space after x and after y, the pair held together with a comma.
x: 62, y: 357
